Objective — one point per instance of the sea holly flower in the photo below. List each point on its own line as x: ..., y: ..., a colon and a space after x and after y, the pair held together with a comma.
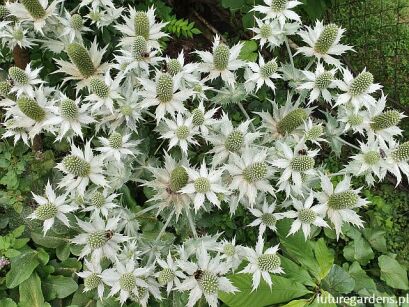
x: 103, y: 17
x: 231, y: 252
x: 51, y: 207
x: 323, y: 42
x: 306, y: 215
x: 97, y: 3
x: 205, y: 278
x: 117, y: 146
x: 36, y: 11
x: 81, y: 167
x: 24, y: 80
x: 355, y: 120
x: 357, y: 90
x: 73, y: 26
x: 279, y: 9
x: 17, y: 132
x: 319, y: 83
x: 100, y: 202
x: 227, y: 139
x: 99, y: 238
x: 180, y: 132
x: 339, y: 203
x: 205, y: 184
x: 170, y: 274
x: 250, y: 173
x: 92, y: 277
x: 165, y: 94
x: 14, y: 34
x: 262, y: 73
x: 203, y: 119
x: 265, y: 218
x: 222, y: 62
x: 140, y: 23
x: 313, y: 132
x: 262, y: 263
x: 84, y: 63
x: 398, y: 160
x: 272, y: 33
x: 185, y: 71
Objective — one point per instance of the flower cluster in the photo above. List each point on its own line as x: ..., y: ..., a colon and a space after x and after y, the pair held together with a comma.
x: 270, y: 163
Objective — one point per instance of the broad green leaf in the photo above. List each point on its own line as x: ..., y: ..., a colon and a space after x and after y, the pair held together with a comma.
x: 21, y: 268
x: 324, y: 257
x: 7, y: 302
x: 81, y: 298
x: 63, y: 252
x: 362, y: 280
x: 249, y: 51
x: 30, y: 291
x: 48, y: 240
x: 376, y: 238
x: 59, y: 286
x: 324, y: 299
x: 282, y: 291
x: 338, y: 281
x: 297, y: 303
x: 393, y: 273
x: 233, y: 4
x: 359, y: 250
x: 295, y: 272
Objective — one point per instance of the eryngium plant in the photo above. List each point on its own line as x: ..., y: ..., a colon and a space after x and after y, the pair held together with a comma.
x: 270, y: 163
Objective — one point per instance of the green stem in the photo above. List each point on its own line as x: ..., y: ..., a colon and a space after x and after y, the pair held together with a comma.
x: 146, y: 210
x: 253, y: 129
x: 162, y: 231
x: 347, y: 143
x: 191, y: 222
x: 290, y: 54
x: 309, y: 64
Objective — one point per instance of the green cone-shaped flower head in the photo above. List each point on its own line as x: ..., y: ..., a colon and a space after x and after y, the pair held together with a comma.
x: 314, y: 133
x: 401, y: 153
x: 372, y: 157
x: 278, y: 5
x: 115, y: 140
x: 139, y: 47
x: 98, y: 199
x: 355, y: 120
x: 268, y: 262
x: 76, y: 166
x: 221, y: 56
x: 343, y: 200
x: 173, y: 67
x: 18, y: 75
x: 97, y: 239
x: 76, y: 22
x: 268, y: 219
x: 164, y: 88
x: 69, y: 109
x: 34, y: 8
x: 385, y: 120
x: 255, y: 172
x: 178, y: 178
x: 31, y: 109
x: 127, y: 282
x: 4, y: 12
x: 234, y: 141
x: 229, y: 249
x: 5, y: 88
x: 209, y: 282
x: 324, y: 80
x: 197, y: 117
x: 92, y: 281
x: 291, y: 121
x: 326, y: 39
x: 202, y: 185
x: 98, y: 87
x: 265, y: 31
x: 307, y: 215
x: 165, y: 276
x: 80, y: 58
x: 141, y: 23
x: 268, y: 69
x: 46, y: 211
x: 302, y: 163
x: 182, y: 132
x: 361, y: 83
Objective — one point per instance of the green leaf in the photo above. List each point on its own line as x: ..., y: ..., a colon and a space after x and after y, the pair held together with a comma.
x: 376, y: 238
x: 338, y: 281
x: 362, y: 280
x: 59, y: 286
x: 249, y: 51
x: 63, y: 252
x: 232, y: 4
x: 323, y: 300
x: 21, y: 268
x: 324, y: 257
x: 295, y: 272
x: 296, y: 303
x: 47, y: 241
x: 359, y: 250
x: 283, y: 290
x: 7, y: 302
x: 30, y: 292
x: 393, y: 273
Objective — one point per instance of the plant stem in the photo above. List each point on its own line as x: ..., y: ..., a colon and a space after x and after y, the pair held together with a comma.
x: 158, y: 237
x: 146, y: 210
x: 191, y: 222
x: 290, y: 55
x: 347, y: 143
x: 309, y: 64
x: 253, y: 129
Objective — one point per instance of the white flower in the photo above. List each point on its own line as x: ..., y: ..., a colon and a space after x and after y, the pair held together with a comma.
x: 104, y: 17
x: 203, y: 119
x: 279, y: 9
x: 24, y: 80
x: 323, y: 42
x: 100, y: 238
x: 141, y: 23
x: 273, y: 34
x: 14, y: 130
x: 263, y: 73
x: 340, y: 202
x: 164, y: 93
x: 73, y: 26
x: 205, y: 278
x: 265, y: 218
x: 318, y: 83
x: 177, y: 66
x: 261, y: 264
x: 92, y: 277
x: 313, y: 132
x: 117, y: 146
x: 179, y: 132
x: 170, y: 273
x: 227, y: 140
x: 231, y: 252
x: 51, y: 207
x: 14, y: 35
x: 100, y: 202
x: 398, y: 160
x: 97, y: 3
x: 357, y: 90
x: 305, y: 215
x: 223, y: 62
x: 250, y: 174
x: 355, y: 120
x: 36, y: 11
x: 205, y: 184
x: 81, y: 167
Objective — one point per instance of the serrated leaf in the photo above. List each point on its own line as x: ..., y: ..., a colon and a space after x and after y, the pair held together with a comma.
x: 21, y: 268
x: 283, y: 290
x: 362, y: 280
x: 338, y: 281
x: 393, y: 273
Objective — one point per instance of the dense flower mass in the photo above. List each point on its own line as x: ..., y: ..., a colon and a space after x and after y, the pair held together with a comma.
x: 135, y: 116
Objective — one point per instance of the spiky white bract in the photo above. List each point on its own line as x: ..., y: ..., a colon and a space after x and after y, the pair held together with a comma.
x: 203, y: 119
x: 305, y: 216
x: 117, y: 146
x: 398, y: 160
x: 262, y: 263
x: 205, y: 184
x: 231, y: 252
x: 51, y: 207
x: 103, y: 17
x: 279, y: 9
x: 73, y: 26
x: 92, y: 277
x: 250, y: 174
x: 81, y: 168
x: 185, y: 71
x: 17, y: 132
x: 169, y: 274
x: 99, y: 238
x: 100, y: 202
x: 14, y: 34
x: 222, y: 62
x: 97, y: 3
x: 208, y: 282
x: 265, y: 217
x: 339, y: 203
x: 272, y: 33
x: 262, y: 73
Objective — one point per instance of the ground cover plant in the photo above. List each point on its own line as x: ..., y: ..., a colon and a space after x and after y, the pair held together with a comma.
x: 240, y: 173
